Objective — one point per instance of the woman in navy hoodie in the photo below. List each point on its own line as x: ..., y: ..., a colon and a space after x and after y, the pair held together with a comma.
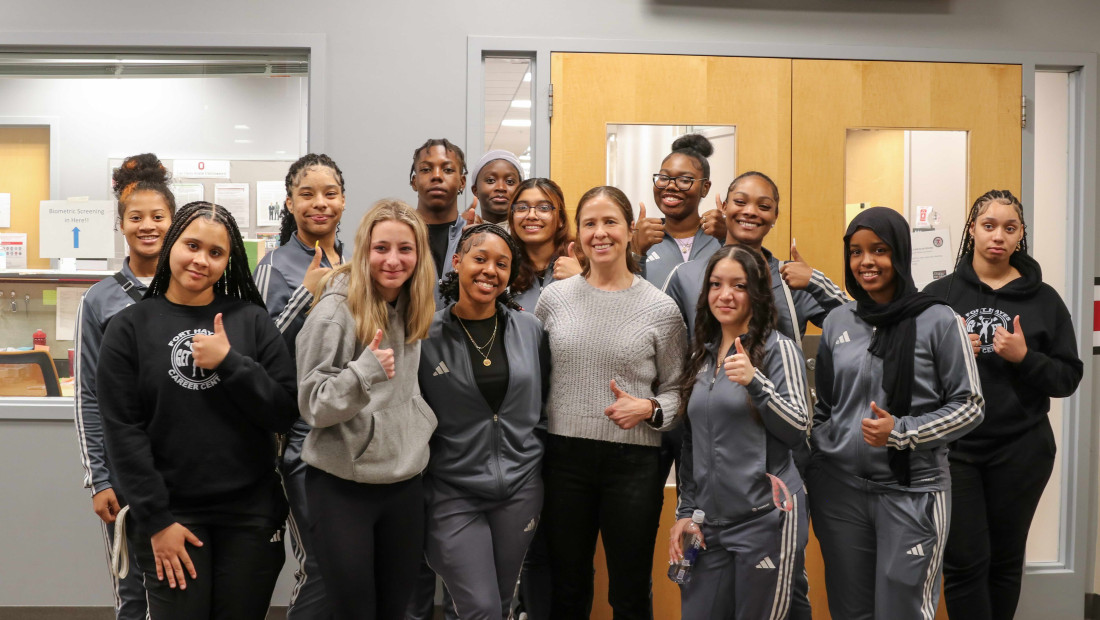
x: 483, y: 369
x: 1026, y: 350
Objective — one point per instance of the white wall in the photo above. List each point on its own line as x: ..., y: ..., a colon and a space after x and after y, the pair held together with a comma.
x: 396, y: 75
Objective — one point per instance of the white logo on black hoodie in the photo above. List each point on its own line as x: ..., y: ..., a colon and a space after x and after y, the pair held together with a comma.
x: 183, y: 369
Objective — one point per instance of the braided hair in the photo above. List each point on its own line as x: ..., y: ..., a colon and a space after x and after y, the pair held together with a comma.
x: 1003, y: 196
x: 707, y: 329
x: 473, y: 236
x: 236, y: 281
x: 447, y: 145
x: 287, y: 224
x: 139, y: 173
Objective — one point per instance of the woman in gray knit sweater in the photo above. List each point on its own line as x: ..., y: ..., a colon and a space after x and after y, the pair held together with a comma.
x: 617, y: 345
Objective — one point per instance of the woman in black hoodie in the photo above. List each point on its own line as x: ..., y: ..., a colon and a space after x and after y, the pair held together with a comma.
x: 1023, y: 338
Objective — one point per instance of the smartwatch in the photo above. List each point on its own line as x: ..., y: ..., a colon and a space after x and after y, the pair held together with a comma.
x: 658, y: 417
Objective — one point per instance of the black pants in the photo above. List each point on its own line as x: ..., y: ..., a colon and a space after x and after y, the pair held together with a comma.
x: 368, y: 540
x: 614, y: 490
x: 307, y: 599
x: 237, y: 568
x: 994, y: 497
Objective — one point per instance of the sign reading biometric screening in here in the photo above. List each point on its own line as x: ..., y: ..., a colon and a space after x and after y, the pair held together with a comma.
x: 76, y: 229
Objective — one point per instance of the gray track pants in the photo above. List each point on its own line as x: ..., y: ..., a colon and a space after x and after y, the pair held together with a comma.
x: 747, y: 571
x: 883, y: 549
x: 477, y: 545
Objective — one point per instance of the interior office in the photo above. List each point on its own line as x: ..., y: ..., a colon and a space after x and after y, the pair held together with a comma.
x: 383, y: 78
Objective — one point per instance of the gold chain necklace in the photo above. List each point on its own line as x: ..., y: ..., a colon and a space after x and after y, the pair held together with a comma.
x: 488, y: 346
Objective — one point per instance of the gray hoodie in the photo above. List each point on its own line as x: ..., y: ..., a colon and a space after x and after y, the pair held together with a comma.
x: 365, y: 427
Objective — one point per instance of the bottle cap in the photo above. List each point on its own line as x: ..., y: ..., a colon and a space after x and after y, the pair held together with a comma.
x: 698, y: 516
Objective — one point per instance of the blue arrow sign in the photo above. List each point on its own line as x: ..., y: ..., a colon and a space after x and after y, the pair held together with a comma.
x: 76, y: 237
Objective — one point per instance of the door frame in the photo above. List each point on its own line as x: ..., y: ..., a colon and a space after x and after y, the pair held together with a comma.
x: 1073, y: 574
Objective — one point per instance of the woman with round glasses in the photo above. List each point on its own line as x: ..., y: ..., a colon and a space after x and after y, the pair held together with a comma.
x: 541, y: 227
x: 681, y: 234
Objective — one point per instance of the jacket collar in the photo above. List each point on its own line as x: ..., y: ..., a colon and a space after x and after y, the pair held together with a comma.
x: 308, y: 250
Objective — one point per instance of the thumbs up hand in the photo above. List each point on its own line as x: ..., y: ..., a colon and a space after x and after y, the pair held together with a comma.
x: 384, y: 356
x: 648, y: 231
x: 314, y: 273
x: 796, y: 272
x: 208, y: 351
x: 713, y: 223
x: 738, y: 366
x: 627, y: 411
x: 568, y: 265
x: 470, y: 215
x: 1010, y: 345
x: 876, y: 430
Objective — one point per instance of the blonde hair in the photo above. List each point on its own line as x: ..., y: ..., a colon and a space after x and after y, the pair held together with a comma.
x: 366, y: 305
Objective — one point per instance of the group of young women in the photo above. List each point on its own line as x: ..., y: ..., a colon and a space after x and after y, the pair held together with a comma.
x: 494, y: 421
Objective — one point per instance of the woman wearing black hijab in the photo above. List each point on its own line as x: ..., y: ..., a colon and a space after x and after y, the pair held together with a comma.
x: 896, y: 382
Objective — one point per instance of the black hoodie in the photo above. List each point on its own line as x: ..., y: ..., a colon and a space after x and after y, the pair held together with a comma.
x: 1017, y: 396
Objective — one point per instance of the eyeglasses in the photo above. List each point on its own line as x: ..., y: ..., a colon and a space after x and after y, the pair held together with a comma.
x: 542, y: 207
x: 661, y: 181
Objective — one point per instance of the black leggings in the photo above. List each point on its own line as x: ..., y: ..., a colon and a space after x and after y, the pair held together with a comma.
x: 994, y: 496
x: 368, y: 539
x: 237, y: 568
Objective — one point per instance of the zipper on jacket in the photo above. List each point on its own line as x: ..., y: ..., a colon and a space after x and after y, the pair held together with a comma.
x: 496, y: 454
x: 862, y: 456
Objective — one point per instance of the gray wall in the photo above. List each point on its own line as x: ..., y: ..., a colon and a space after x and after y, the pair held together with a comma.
x: 395, y: 75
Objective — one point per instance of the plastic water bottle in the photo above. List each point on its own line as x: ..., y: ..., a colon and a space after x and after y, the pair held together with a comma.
x: 39, y: 338
x: 680, y: 572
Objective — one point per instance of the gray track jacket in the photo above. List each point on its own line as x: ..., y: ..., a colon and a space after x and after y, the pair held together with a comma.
x: 490, y: 455
x: 727, y: 451
x: 103, y: 301
x: 366, y: 428
x: 947, y: 400
x: 665, y: 255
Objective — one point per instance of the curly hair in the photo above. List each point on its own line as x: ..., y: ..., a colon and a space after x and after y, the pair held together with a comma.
x: 139, y: 173
x: 287, y: 224
x: 449, y: 289
x: 707, y: 329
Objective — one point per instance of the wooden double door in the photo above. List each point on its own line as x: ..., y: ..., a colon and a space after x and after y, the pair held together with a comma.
x: 792, y: 120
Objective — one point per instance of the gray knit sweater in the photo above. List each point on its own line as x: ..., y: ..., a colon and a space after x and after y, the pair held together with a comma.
x: 634, y: 336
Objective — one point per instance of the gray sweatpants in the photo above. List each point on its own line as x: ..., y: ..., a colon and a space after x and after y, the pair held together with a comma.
x: 747, y: 571
x: 477, y: 545
x: 883, y: 549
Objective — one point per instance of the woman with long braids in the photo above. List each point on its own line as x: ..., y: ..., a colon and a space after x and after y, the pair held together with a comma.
x: 617, y: 346
x: 145, y: 209
x: 743, y: 399
x: 193, y: 384
x: 540, y: 226
x: 1027, y: 354
x: 357, y: 357
x: 483, y: 369
x: 289, y: 279
x: 896, y: 382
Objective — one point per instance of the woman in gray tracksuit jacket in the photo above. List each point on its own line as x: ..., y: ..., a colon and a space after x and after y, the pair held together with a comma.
x: 484, y: 489
x: 745, y: 409
x: 896, y: 382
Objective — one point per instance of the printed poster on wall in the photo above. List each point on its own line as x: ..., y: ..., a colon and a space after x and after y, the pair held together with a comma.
x: 234, y: 197
x: 270, y: 196
x: 200, y: 168
x: 932, y: 255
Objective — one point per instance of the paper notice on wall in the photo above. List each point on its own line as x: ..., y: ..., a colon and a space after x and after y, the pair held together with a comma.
x: 932, y: 255
x: 5, y: 210
x: 270, y: 196
x: 68, y: 302
x: 76, y: 228
x: 234, y: 196
x: 200, y: 169
x: 187, y: 192
x: 14, y: 248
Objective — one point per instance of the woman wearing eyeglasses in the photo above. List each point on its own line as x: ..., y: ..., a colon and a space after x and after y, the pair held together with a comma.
x: 541, y: 227
x: 682, y: 234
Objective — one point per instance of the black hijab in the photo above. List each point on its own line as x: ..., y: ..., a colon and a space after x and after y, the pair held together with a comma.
x: 895, y: 338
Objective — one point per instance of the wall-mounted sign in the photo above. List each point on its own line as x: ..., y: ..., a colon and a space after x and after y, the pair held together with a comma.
x: 200, y: 168
x: 76, y: 229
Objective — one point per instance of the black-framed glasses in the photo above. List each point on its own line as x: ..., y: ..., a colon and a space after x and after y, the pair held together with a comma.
x: 661, y: 181
x: 542, y: 207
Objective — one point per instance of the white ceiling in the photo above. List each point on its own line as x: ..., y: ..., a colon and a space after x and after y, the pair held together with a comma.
x: 504, y: 84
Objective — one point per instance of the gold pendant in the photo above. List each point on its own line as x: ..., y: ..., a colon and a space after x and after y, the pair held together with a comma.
x: 487, y: 362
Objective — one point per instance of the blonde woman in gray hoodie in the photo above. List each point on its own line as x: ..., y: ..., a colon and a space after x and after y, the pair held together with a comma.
x: 358, y: 355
